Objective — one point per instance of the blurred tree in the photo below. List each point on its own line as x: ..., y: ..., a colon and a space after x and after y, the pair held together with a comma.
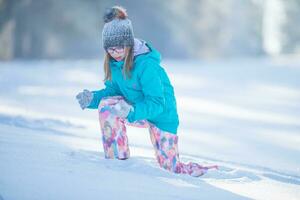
x: 211, y: 29
x: 291, y: 27
x: 6, y: 29
x: 56, y: 29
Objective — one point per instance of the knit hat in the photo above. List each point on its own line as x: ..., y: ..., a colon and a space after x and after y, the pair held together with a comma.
x: 117, y: 30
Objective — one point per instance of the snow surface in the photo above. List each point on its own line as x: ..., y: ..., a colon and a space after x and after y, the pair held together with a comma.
x: 241, y: 114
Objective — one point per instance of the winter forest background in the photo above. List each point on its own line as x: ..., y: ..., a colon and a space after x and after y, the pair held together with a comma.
x: 50, y: 29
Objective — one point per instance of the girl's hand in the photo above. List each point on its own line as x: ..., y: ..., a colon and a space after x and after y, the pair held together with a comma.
x: 84, y: 98
x: 121, y: 109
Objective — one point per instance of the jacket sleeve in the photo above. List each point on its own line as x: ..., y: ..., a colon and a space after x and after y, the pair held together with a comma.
x: 111, y: 89
x: 152, y: 88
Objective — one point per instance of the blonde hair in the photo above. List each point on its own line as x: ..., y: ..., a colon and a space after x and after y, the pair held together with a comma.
x: 128, y: 64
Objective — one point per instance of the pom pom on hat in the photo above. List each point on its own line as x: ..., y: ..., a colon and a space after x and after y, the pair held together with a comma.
x: 115, y: 12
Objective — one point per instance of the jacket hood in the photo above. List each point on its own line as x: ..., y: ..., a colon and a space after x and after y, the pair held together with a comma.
x: 140, y: 47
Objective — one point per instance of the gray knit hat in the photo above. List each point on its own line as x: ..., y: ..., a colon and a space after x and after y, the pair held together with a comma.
x: 117, y: 30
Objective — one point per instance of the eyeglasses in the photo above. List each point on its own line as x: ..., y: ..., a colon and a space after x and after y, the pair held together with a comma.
x: 115, y: 49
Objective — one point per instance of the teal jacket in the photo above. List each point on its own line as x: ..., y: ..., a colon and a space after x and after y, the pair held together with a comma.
x: 148, y: 90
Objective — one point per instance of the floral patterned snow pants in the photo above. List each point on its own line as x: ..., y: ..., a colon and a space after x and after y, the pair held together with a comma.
x: 115, y: 141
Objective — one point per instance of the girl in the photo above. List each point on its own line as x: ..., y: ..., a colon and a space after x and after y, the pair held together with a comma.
x: 137, y: 92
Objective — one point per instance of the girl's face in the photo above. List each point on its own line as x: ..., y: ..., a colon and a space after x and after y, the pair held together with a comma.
x: 118, y: 53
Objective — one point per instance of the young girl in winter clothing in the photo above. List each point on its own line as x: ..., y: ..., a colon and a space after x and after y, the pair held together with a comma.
x: 137, y: 92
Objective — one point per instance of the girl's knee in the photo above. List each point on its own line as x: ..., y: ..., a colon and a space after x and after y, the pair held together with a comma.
x: 110, y: 100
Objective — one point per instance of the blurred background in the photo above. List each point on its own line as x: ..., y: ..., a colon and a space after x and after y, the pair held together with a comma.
x: 194, y: 29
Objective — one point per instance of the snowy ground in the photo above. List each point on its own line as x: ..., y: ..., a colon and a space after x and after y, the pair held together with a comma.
x: 243, y: 115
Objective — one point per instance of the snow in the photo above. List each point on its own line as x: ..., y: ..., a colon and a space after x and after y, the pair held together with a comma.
x: 241, y: 114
